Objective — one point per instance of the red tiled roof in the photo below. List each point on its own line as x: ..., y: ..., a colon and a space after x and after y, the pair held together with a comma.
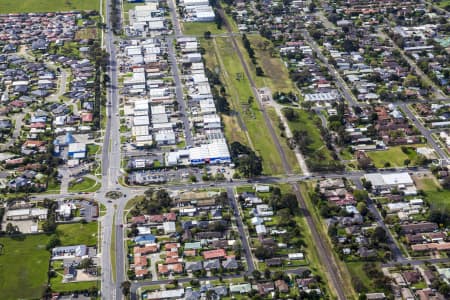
x: 217, y: 253
x: 87, y: 117
x: 140, y: 261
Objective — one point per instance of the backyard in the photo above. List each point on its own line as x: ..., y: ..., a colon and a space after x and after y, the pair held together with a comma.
x: 23, y: 260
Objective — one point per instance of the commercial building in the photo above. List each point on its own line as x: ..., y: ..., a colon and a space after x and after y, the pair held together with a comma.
x: 385, y: 183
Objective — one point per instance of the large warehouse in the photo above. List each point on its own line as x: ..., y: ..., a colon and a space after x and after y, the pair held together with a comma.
x: 214, y: 153
x: 384, y: 183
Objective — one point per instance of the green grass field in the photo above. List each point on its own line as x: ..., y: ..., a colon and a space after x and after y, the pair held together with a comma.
x: 199, y: 28
x: 239, y: 92
x: 232, y: 129
x: 356, y: 270
x: 23, y: 267
x: 276, y: 75
x: 87, y: 185
x: 290, y: 155
x: 92, y: 149
x: 8, y: 6
x: 394, y: 155
x: 78, y: 233
x: 318, y: 152
x: 58, y: 286
x: 439, y: 199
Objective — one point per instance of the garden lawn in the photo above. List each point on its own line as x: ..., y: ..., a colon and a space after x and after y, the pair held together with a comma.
x: 199, y: 28
x: 78, y: 234
x: 23, y: 267
x: 394, y: 155
x: 87, y: 185
x: 8, y: 6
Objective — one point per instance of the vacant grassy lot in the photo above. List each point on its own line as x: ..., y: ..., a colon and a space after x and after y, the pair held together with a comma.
x: 86, y: 33
x: 8, y: 6
x: 318, y: 155
x: 394, y: 156
x: 438, y: 199
x: 199, y: 28
x: 23, y: 267
x: 276, y: 75
x: 58, y: 286
x: 78, y: 233
x: 87, y: 185
x: 290, y: 155
x: 232, y: 129
x: 357, y: 273
x: 426, y: 183
x: 239, y: 92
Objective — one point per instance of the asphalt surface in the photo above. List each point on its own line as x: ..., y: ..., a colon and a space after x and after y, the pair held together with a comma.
x: 242, y: 234
x: 179, y: 91
x: 425, y: 132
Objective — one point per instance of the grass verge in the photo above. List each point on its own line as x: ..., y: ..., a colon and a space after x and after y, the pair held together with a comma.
x: 88, y: 185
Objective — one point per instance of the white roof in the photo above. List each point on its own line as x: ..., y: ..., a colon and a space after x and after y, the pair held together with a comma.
x: 141, y: 120
x: 165, y: 136
x: 158, y: 109
x: 141, y: 105
x: 166, y: 294
x: 159, y: 118
x: 77, y: 147
x: 378, y: 179
x: 260, y: 229
x: 298, y: 255
x: 139, y: 130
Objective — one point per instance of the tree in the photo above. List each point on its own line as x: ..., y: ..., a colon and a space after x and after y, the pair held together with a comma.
x: 256, y: 274
x: 267, y: 273
x: 10, y: 228
x: 379, y: 235
x: 207, y: 34
x: 362, y: 208
x: 53, y: 242
x: 290, y: 114
x: 86, y: 263
x: 406, y: 162
x: 126, y: 286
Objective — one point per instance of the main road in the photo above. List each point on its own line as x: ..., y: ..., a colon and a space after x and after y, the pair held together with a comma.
x: 111, y: 158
